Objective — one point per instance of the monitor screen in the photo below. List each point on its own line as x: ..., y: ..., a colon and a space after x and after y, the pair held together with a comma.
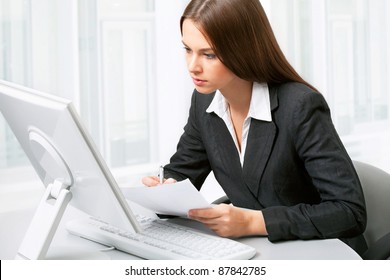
x: 59, y: 148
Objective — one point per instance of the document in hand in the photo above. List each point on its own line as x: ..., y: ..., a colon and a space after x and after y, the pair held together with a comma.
x: 170, y: 199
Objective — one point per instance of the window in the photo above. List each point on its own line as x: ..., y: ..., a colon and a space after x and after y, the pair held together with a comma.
x: 110, y: 57
x: 342, y: 47
x: 117, y: 78
x: 100, y: 54
x: 36, y: 51
x: 13, y: 55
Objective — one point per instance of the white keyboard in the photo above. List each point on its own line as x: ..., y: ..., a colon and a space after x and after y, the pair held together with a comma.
x: 161, y: 240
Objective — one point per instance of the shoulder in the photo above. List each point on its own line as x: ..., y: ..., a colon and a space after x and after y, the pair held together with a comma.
x: 296, y: 96
x: 292, y: 91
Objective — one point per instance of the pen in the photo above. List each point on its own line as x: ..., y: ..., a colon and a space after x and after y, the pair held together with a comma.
x: 161, y: 174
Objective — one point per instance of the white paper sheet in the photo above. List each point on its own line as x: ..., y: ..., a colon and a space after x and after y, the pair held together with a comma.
x: 170, y: 199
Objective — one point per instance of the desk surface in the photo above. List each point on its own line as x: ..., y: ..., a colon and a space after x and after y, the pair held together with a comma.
x: 67, y: 246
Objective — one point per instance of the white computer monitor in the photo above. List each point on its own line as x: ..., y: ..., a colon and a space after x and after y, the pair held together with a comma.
x: 66, y: 160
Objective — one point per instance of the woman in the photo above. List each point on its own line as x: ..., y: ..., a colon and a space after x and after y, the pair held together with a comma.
x: 265, y: 133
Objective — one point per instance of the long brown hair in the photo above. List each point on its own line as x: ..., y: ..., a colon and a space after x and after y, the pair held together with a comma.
x: 242, y: 38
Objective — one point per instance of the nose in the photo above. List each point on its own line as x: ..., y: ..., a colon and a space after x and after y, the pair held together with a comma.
x: 193, y: 64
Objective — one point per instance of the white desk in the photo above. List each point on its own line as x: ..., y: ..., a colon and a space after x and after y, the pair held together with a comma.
x: 66, y: 246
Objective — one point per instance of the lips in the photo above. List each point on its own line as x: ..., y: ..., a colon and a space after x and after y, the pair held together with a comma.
x: 198, y: 82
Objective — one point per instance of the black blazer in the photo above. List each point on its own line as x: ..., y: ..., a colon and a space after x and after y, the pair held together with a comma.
x: 296, y: 169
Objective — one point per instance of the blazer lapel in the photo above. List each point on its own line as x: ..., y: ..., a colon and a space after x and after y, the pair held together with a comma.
x: 260, y: 142
x: 259, y: 146
x: 224, y: 146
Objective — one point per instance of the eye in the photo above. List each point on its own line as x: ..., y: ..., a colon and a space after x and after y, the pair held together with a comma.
x: 187, y: 49
x: 210, y: 56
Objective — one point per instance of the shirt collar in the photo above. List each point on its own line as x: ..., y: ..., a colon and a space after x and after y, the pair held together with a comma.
x: 259, y: 107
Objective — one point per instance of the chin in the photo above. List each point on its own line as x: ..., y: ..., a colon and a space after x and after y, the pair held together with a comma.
x: 205, y: 90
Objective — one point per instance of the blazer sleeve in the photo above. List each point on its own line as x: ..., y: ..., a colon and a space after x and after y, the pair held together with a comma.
x: 190, y: 159
x: 341, y: 211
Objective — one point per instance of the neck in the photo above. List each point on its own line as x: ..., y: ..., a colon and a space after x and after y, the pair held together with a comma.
x: 238, y: 96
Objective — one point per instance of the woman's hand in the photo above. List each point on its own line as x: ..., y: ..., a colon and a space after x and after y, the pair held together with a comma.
x: 152, y: 181
x: 230, y: 221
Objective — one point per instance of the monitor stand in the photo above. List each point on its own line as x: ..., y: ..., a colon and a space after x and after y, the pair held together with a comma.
x: 54, y: 201
x: 45, y: 222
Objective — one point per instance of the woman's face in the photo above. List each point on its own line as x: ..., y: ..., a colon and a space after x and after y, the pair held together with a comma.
x: 207, y: 71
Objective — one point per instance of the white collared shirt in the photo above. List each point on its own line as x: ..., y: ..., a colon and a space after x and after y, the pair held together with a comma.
x: 259, y: 109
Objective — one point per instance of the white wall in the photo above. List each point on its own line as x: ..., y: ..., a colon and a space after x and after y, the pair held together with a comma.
x: 174, y: 87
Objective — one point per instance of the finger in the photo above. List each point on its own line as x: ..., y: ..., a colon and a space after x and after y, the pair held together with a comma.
x: 204, y: 213
x: 151, y: 181
x: 218, y: 228
x: 213, y: 212
x: 211, y: 223
x: 170, y: 181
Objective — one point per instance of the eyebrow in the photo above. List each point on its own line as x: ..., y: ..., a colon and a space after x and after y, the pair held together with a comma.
x: 201, y: 50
